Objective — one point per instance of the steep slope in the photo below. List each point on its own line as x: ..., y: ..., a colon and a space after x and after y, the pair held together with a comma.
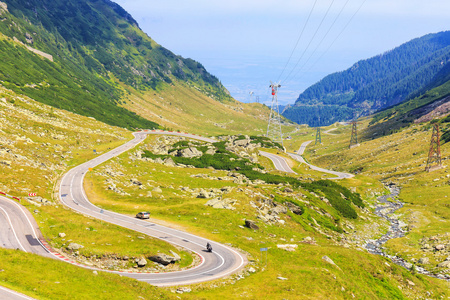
x: 376, y: 83
x: 90, y: 51
x: 432, y: 104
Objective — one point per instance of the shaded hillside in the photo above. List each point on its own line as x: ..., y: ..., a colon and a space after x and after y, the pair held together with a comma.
x: 379, y: 82
x: 433, y: 104
x: 94, y: 45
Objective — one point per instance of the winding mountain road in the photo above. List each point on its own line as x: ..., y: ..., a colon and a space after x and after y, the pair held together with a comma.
x: 223, y: 261
x: 298, y: 156
x: 282, y: 165
x: 279, y: 162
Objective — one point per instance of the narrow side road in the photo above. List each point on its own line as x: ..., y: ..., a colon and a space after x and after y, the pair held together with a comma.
x: 279, y: 162
x: 298, y: 156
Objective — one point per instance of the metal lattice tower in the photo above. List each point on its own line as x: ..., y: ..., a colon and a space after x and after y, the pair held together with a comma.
x: 318, y: 136
x: 354, y: 138
x: 274, y: 126
x: 434, y: 155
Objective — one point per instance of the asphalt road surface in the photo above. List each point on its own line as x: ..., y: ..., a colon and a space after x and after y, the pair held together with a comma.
x: 298, y: 156
x: 221, y: 262
x: 19, y: 230
x: 279, y: 162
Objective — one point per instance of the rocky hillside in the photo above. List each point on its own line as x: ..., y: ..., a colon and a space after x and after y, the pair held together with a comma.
x: 86, y: 56
x: 376, y: 83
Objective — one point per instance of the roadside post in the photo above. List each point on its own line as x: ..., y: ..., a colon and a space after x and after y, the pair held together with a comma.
x: 263, y: 250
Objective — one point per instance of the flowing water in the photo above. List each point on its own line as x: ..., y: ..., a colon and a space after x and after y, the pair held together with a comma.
x: 388, y: 205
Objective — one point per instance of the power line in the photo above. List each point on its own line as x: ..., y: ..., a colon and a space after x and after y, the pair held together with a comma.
x: 298, y: 40
x: 323, y: 38
x: 309, y: 44
x: 337, y: 37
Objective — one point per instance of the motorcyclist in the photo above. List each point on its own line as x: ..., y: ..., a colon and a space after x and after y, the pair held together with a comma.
x: 208, y: 247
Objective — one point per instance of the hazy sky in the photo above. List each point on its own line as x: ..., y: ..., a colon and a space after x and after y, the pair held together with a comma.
x: 248, y: 43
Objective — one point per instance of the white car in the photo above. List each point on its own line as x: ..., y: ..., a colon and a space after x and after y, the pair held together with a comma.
x: 143, y: 215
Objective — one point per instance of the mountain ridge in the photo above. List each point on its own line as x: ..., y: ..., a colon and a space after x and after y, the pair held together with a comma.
x: 378, y: 82
x: 96, y: 45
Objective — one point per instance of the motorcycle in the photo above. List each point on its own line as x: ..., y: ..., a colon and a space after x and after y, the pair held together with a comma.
x: 208, y: 247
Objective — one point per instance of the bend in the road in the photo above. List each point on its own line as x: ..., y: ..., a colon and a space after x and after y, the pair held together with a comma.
x: 221, y: 262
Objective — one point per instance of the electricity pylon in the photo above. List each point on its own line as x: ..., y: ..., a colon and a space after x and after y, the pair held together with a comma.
x: 318, y: 137
x: 354, y: 138
x: 434, y: 155
x: 274, y: 126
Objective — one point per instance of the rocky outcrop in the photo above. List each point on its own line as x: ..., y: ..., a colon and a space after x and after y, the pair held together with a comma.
x: 221, y: 203
x: 74, y: 247
x: 165, y: 259
x: 190, y: 152
x: 3, y: 8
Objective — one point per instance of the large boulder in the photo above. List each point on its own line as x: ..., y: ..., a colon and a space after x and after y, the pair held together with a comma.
x: 141, y: 262
x: 242, y: 143
x: 190, y: 152
x: 169, y: 162
x: 294, y: 208
x: 163, y: 259
x: 251, y: 224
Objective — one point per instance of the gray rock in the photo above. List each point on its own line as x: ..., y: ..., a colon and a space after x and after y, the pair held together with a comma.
x: 190, y: 152
x: 135, y: 181
x: 163, y: 259
x: 439, y: 247
x: 294, y: 208
x: 141, y: 262
x: 445, y: 264
x: 424, y: 260
x: 288, y: 190
x: 251, y: 224
x: 169, y: 162
x: 203, y: 194
x: 157, y: 190
x: 329, y: 260
x: 210, y: 151
x: 176, y: 257
x: 182, y: 290
x: 74, y: 246
x: 61, y: 234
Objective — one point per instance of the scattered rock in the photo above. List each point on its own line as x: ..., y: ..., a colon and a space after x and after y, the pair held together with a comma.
x: 182, y: 290
x: 74, y: 246
x: 281, y: 278
x: 252, y: 270
x: 135, y: 181
x: 190, y: 152
x: 439, y: 247
x: 445, y: 264
x: 163, y: 259
x: 251, y: 224
x: 61, y: 234
x: 330, y: 261
x: 288, y: 247
x: 157, y: 190
x: 409, y: 282
x: 95, y: 272
x: 141, y: 262
x: 424, y: 260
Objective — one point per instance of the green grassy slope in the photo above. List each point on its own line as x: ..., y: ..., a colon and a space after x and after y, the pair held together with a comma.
x: 94, y: 45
